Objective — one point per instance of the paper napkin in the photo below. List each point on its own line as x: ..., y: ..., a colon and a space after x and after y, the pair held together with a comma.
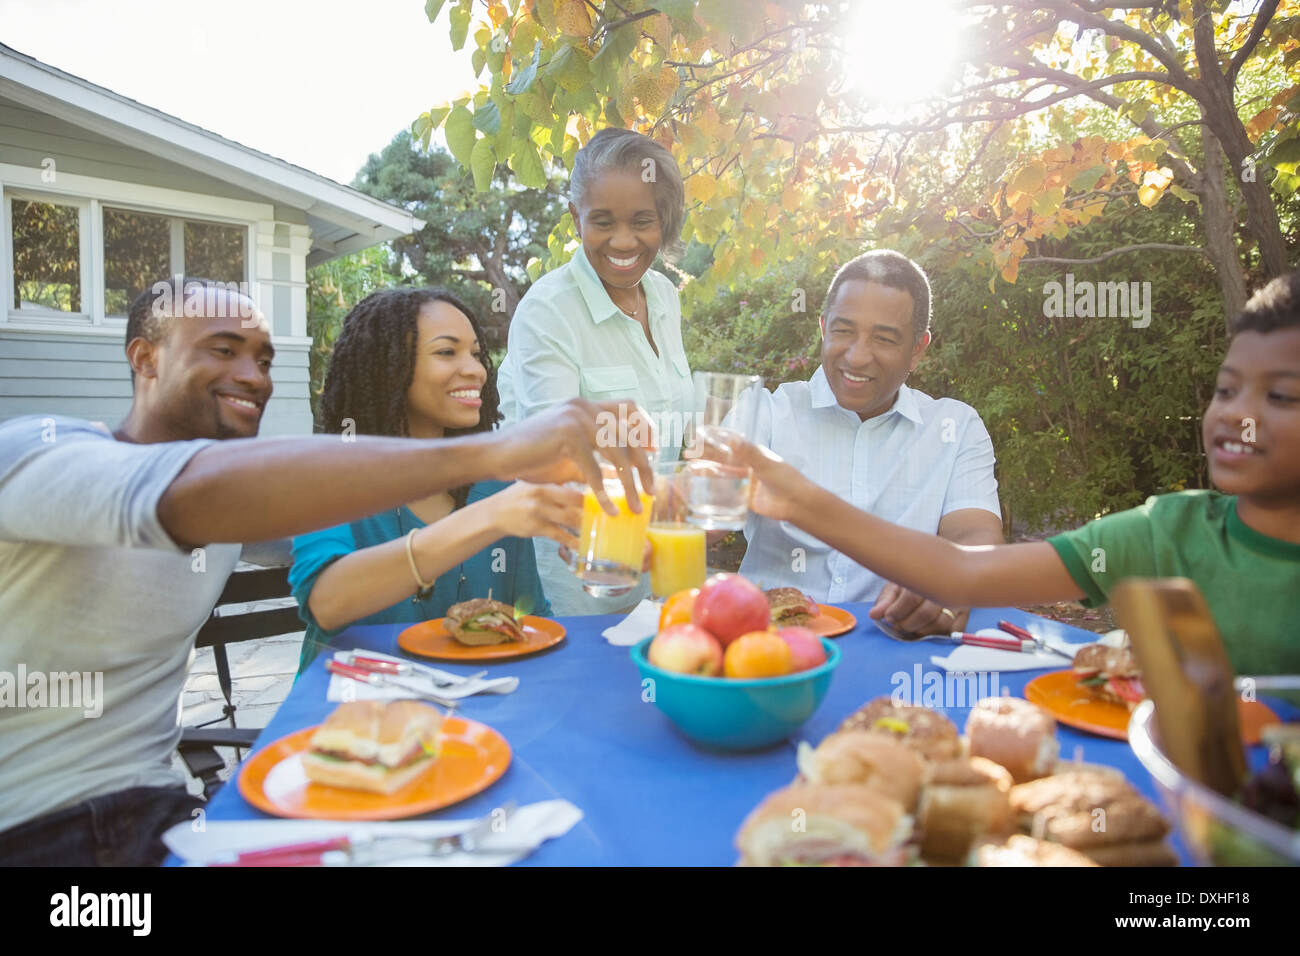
x: 642, y: 622
x: 968, y: 657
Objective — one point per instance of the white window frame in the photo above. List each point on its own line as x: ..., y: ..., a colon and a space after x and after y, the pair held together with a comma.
x: 91, y: 194
x: 177, y: 222
x: 85, y: 218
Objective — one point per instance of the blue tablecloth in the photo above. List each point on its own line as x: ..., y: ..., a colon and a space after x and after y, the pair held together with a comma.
x: 580, y: 730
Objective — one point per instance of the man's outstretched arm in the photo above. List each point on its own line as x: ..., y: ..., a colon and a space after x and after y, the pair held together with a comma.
x: 950, y: 574
x: 255, y: 489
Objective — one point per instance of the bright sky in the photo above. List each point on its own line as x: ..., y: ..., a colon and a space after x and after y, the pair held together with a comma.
x: 320, y: 83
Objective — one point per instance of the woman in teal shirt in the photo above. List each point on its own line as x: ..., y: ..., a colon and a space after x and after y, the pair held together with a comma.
x: 409, y: 362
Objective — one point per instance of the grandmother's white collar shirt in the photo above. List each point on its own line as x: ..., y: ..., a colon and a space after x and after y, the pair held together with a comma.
x: 922, y: 459
x: 568, y: 339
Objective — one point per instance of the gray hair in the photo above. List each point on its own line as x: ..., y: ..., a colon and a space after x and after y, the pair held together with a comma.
x: 624, y: 149
x: 894, y: 271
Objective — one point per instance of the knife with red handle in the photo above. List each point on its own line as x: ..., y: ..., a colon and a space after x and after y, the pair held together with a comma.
x: 361, y: 674
x: 1015, y: 629
x: 379, y: 665
x: 293, y: 854
x: 999, y: 643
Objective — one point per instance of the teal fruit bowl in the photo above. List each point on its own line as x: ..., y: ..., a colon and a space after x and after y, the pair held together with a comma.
x: 734, y: 714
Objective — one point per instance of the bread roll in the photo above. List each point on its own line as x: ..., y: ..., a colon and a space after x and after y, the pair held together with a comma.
x: 1021, y: 850
x: 928, y: 732
x: 1150, y: 853
x: 876, y: 760
x: 843, y: 824
x: 966, y: 799
x: 1097, y: 813
x: 1014, y: 733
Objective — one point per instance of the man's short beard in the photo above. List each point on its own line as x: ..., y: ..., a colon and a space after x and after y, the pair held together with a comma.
x: 224, y: 431
x: 197, y: 419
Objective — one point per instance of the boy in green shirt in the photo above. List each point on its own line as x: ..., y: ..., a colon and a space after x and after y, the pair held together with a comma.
x: 1241, y: 544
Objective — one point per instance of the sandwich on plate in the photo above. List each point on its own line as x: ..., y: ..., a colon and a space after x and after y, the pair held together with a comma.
x: 374, y: 745
x: 1110, y: 673
x: 483, y: 621
x: 791, y: 607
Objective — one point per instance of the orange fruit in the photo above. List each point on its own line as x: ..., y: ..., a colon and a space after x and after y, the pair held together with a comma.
x: 757, y: 654
x: 678, y: 609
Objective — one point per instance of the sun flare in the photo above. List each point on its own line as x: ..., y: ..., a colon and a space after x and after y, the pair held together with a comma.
x: 896, y: 53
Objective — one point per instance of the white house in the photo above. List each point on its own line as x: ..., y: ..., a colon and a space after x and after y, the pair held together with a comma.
x: 101, y: 195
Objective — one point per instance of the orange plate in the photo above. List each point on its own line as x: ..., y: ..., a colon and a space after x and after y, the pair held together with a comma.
x: 473, y: 757
x: 1060, y: 694
x: 832, y: 622
x: 431, y: 639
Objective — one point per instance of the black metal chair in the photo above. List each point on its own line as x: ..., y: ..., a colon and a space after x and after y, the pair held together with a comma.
x: 198, y: 744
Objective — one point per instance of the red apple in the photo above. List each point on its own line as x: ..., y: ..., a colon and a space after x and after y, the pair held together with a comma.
x: 806, y: 650
x: 729, y: 606
x: 686, y: 649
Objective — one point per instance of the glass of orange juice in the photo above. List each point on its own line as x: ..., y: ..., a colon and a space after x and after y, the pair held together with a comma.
x: 678, y: 549
x: 611, y: 548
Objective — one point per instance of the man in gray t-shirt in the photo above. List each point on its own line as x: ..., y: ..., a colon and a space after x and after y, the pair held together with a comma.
x: 108, y: 566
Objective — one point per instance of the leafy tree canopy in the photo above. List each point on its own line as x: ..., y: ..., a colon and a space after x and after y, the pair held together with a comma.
x: 752, y: 100
x: 485, y: 239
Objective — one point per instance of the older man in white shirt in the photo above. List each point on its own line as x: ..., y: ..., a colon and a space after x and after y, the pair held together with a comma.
x: 856, y: 429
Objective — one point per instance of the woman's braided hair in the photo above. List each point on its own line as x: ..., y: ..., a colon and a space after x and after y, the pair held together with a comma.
x: 373, y: 366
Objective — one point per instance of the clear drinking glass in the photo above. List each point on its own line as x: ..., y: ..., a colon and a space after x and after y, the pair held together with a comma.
x: 718, y: 494
x: 611, y: 548
x: 678, y: 555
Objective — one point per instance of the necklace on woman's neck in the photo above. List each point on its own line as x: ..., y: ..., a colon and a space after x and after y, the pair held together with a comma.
x: 636, y: 309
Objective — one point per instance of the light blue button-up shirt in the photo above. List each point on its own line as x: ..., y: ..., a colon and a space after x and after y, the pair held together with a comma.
x: 922, y: 459
x: 568, y: 339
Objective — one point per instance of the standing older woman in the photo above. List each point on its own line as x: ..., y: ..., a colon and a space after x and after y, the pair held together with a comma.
x: 605, y: 325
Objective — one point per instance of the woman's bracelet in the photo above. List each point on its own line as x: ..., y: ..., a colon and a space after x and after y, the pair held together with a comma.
x: 410, y: 556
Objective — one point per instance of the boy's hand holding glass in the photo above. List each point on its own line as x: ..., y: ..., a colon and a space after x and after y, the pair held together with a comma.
x: 726, y: 409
